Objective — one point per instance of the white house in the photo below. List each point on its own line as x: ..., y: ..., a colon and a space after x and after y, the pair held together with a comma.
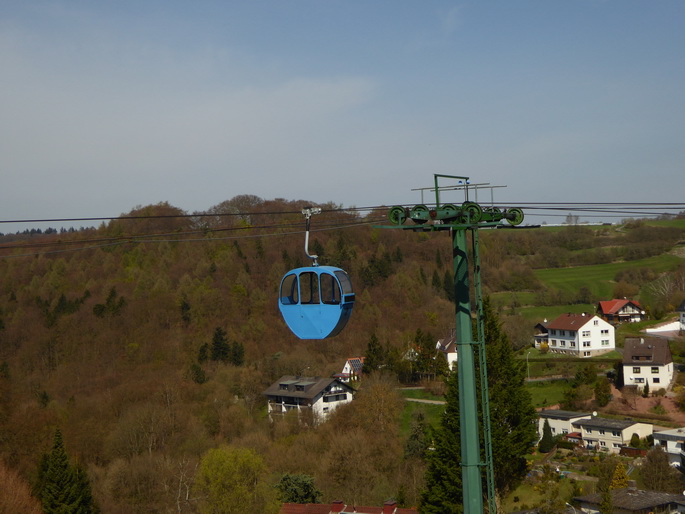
x: 560, y: 421
x: 647, y: 361
x: 580, y: 335
x: 352, y: 369
x: 448, y: 347
x: 610, y: 434
x: 672, y: 443
x: 621, y: 311
x: 681, y: 311
x: 309, y: 396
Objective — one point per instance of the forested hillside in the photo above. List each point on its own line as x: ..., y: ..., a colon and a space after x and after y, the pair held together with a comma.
x: 112, y: 336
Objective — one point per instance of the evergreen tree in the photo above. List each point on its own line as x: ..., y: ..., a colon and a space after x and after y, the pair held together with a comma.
x: 448, y: 285
x: 237, y: 357
x: 645, y: 390
x: 547, y: 442
x: 443, y: 492
x: 513, y: 417
x: 220, y: 347
x: 62, y: 487
x: 374, y: 357
x: 513, y: 423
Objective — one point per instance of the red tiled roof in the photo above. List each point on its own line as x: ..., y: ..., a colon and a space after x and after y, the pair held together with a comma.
x: 613, y: 306
x: 570, y: 322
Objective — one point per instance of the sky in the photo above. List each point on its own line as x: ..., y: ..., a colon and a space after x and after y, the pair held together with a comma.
x: 109, y: 105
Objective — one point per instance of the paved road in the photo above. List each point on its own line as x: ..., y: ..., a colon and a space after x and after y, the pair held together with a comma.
x: 421, y: 400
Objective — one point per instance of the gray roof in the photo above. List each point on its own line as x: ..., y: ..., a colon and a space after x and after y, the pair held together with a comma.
x: 612, y: 424
x: 562, y: 414
x: 630, y: 499
x: 307, y: 388
x: 646, y: 351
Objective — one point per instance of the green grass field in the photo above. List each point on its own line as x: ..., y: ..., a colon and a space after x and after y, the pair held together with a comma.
x: 599, y: 278
x: 549, y: 392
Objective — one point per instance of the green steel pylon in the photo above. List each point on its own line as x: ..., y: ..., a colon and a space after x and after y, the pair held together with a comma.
x: 458, y: 219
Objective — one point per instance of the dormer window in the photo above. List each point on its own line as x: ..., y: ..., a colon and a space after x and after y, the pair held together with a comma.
x: 299, y: 388
x: 283, y: 387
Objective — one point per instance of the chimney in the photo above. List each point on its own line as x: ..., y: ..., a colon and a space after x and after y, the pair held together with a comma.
x: 389, y: 507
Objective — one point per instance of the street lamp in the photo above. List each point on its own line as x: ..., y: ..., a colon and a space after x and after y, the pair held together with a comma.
x: 527, y: 364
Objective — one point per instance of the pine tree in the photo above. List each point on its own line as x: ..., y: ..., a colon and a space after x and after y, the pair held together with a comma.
x: 220, y: 347
x: 443, y: 491
x: 63, y: 488
x: 547, y: 442
x: 237, y: 357
x: 513, y: 423
x: 374, y: 357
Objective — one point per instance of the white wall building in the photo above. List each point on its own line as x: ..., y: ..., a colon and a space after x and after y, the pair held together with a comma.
x: 672, y: 442
x: 309, y: 396
x: 647, y: 361
x: 611, y: 434
x: 580, y: 335
x: 560, y: 421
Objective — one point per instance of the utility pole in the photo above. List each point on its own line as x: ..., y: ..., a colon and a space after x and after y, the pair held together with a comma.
x: 458, y: 219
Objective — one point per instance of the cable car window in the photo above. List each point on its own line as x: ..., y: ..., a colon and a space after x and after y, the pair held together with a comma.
x: 330, y: 290
x: 344, y: 282
x: 289, y: 294
x: 309, y: 287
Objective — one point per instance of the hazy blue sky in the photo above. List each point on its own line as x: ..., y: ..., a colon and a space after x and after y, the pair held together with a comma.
x: 107, y: 105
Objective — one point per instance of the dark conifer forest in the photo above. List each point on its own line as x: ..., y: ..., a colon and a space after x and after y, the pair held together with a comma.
x: 144, y: 345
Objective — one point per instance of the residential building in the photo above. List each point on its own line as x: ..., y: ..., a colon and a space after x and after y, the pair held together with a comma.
x: 352, y: 369
x: 312, y: 397
x: 339, y: 507
x: 621, y: 311
x: 580, y: 335
x: 610, y: 434
x: 541, y: 334
x: 633, y: 501
x: 448, y: 348
x: 560, y: 421
x: 672, y: 442
x: 647, y: 361
x: 681, y: 313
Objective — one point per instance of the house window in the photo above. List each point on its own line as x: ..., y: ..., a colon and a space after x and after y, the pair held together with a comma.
x: 283, y: 387
x: 586, y: 354
x: 605, y: 342
x: 596, y: 323
x: 656, y: 380
x: 616, y: 433
x: 639, y: 380
x: 573, y: 344
x: 602, y: 443
x: 564, y: 431
x: 325, y: 410
x: 605, y: 331
x: 589, y: 430
x: 299, y: 388
x: 586, y: 333
x: 616, y: 445
x: 553, y: 332
x: 562, y: 343
x: 636, y: 370
x: 655, y: 369
x: 554, y: 342
x: 586, y: 344
x: 601, y: 431
x: 562, y: 333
